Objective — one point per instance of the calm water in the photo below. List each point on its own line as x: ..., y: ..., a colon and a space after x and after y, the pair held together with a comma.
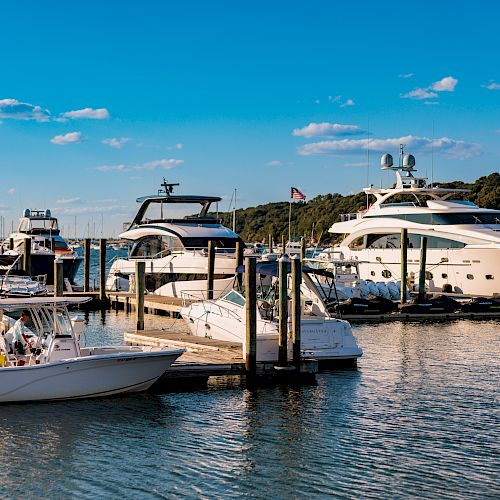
x: 419, y: 418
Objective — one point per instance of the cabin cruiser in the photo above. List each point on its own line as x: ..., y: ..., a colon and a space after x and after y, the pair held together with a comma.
x: 171, y: 234
x: 47, y: 244
x: 463, y: 240
x: 58, y: 367
x: 323, y: 337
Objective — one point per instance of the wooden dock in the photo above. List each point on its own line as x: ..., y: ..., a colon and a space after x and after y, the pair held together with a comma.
x: 205, y: 358
x: 155, y: 304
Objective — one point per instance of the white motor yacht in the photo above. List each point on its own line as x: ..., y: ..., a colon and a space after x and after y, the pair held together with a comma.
x: 58, y: 367
x: 463, y: 240
x: 171, y: 233
x: 47, y: 244
x: 323, y: 338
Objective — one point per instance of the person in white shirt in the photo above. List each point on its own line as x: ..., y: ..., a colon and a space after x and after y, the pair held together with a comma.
x: 15, y: 336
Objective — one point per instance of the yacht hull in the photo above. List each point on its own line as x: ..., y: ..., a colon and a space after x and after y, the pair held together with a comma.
x: 470, y: 271
x: 88, y: 376
x: 43, y: 263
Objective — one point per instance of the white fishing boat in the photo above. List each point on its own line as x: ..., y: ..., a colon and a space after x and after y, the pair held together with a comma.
x: 463, y: 240
x: 57, y: 367
x: 324, y: 338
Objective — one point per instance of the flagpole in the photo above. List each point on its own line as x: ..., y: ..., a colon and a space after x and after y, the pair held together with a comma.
x: 289, y: 223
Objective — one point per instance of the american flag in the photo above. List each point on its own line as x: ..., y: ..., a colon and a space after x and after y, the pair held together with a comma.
x: 297, y: 194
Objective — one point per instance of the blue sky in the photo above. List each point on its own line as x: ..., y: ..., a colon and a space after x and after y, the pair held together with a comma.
x: 99, y: 100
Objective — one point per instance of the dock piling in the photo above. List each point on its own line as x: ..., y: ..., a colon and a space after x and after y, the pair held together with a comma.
x: 283, y: 245
x: 283, y: 311
x: 210, y: 270
x: 423, y: 262
x: 270, y: 244
x: 296, y: 311
x: 302, y: 249
x: 140, y: 288
x: 404, y: 263
x: 86, y: 265
x: 251, y: 315
x: 11, y: 243
x: 239, y: 261
x: 58, y: 278
x: 102, y: 271
x: 27, y: 256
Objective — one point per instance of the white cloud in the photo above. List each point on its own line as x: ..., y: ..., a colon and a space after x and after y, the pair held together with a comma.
x: 449, y: 147
x: 87, y: 209
x: 446, y: 84
x: 68, y: 201
x: 17, y: 110
x: 326, y: 129
x: 11, y: 191
x: 152, y: 165
x: 115, y: 142
x: 275, y: 163
x: 406, y: 75
x: 431, y: 103
x: 179, y: 146
x: 356, y: 164
x: 347, y: 103
x: 419, y: 94
x: 69, y: 138
x: 89, y: 113
x: 492, y: 85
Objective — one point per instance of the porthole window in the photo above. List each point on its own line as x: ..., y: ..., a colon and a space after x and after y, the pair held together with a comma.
x: 372, y: 273
x: 386, y: 273
x: 470, y: 276
x: 428, y: 275
x: 444, y: 276
x: 489, y: 277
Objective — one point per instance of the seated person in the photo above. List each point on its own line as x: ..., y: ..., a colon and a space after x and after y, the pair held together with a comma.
x: 16, y: 338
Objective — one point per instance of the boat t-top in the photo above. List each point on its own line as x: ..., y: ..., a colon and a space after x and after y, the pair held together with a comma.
x: 171, y: 233
x: 463, y: 240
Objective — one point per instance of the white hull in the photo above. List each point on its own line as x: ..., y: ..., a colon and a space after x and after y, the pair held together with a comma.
x: 468, y: 270
x: 321, y: 338
x: 89, y: 376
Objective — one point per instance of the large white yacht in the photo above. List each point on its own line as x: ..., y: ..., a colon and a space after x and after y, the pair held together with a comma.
x: 171, y: 234
x: 463, y: 249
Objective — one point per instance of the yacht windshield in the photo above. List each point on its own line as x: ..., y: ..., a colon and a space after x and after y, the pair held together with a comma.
x: 447, y: 218
x: 161, y: 211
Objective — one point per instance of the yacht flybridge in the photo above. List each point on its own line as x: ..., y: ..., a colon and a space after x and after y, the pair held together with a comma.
x: 170, y: 233
x: 463, y: 249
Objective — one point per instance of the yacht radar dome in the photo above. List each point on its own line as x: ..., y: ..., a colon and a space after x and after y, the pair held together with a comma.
x: 386, y: 161
x: 408, y: 162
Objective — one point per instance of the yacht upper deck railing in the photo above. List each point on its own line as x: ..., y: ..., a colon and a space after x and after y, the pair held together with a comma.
x: 203, y: 251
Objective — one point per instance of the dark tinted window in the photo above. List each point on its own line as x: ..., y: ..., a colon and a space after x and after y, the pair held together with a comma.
x: 381, y: 241
x: 448, y: 219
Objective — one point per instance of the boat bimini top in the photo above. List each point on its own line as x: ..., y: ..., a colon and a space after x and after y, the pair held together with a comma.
x: 14, y: 303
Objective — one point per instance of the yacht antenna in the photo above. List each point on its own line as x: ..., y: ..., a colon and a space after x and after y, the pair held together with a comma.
x: 432, y: 156
x: 234, y: 212
x: 368, y: 164
x: 168, y: 188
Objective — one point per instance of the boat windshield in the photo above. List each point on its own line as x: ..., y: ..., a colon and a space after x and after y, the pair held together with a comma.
x: 38, y: 224
x: 234, y: 297
x: 161, y: 211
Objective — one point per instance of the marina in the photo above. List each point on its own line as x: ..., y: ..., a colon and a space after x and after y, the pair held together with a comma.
x: 250, y: 251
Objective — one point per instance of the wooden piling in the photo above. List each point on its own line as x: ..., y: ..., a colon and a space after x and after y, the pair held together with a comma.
x: 296, y: 310
x: 58, y: 278
x: 239, y: 261
x: 102, y: 271
x: 210, y: 269
x: 140, y: 288
x: 27, y: 256
x: 251, y: 315
x: 283, y: 310
x: 283, y: 245
x: 270, y: 243
x: 11, y: 243
x: 404, y: 263
x: 423, y: 261
x: 302, y: 249
x: 86, y: 265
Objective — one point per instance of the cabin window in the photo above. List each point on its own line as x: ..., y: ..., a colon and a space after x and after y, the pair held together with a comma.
x: 444, y: 276
x: 156, y: 246
x: 428, y: 275
x: 470, y: 276
x: 388, y: 241
x: 357, y: 244
x: 489, y: 277
x: 386, y: 273
x: 447, y: 219
x: 372, y: 273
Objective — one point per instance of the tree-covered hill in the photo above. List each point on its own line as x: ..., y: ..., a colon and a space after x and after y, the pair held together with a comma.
x: 256, y: 223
